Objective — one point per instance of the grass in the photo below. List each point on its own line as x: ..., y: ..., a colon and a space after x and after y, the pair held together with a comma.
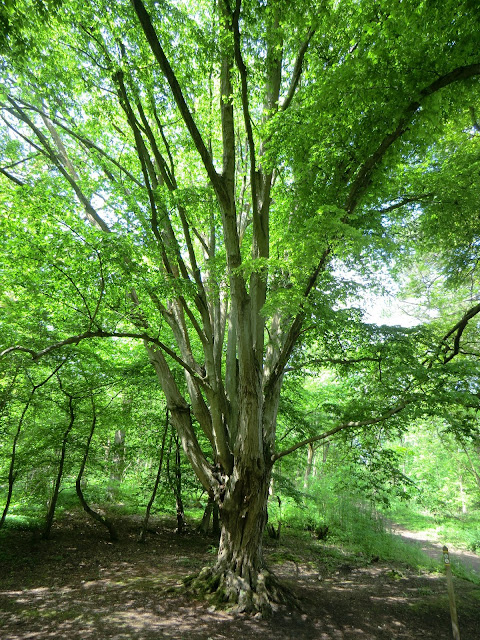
x: 358, y: 534
x: 373, y: 540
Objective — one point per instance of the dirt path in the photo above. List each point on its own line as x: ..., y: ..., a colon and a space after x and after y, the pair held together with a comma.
x: 432, y: 546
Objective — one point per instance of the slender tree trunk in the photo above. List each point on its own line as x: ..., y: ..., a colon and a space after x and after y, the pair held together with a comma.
x: 207, y: 515
x: 308, y: 468
x: 11, y: 471
x: 6, y: 394
x: 118, y: 463
x: 211, y: 513
x: 462, y: 495
x: 475, y: 473
x: 176, y: 482
x: 58, y: 480
x: 178, y: 489
x: 78, y: 487
x: 157, y: 482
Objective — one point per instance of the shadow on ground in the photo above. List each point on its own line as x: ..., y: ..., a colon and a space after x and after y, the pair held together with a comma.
x: 80, y: 587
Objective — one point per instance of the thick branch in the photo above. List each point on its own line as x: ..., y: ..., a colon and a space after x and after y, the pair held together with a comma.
x: 171, y: 78
x: 297, y: 70
x: 458, y: 330
x: 58, y: 161
x: 333, y: 361
x: 245, y: 108
x: 84, y: 141
x: 181, y: 419
x: 295, y: 327
x: 364, y: 174
x: 12, y: 178
x: 405, y: 201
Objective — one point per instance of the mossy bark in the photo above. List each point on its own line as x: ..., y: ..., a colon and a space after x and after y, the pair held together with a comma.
x: 239, y: 579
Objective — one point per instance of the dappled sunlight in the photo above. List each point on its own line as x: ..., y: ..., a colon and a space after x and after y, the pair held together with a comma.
x: 93, y: 591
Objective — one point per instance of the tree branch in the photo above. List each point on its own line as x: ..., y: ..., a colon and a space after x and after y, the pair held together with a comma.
x: 296, y: 327
x: 342, y: 361
x: 47, y: 150
x: 36, y: 355
x: 12, y: 178
x: 84, y: 141
x: 157, y: 50
x: 458, y: 330
x: 364, y: 174
x: 297, y: 70
x: 340, y: 427
x: 405, y: 201
x: 245, y: 108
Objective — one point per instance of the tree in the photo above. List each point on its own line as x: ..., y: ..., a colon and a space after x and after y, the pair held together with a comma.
x: 200, y: 177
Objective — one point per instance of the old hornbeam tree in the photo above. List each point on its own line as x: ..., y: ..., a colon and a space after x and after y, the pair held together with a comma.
x: 202, y: 176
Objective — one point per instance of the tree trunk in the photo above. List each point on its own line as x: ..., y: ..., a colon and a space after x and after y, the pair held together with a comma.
x: 475, y: 473
x: 462, y: 495
x: 11, y: 471
x: 239, y: 576
x: 78, y: 486
x: 143, y: 532
x: 207, y: 514
x: 308, y: 468
x: 118, y: 464
x: 216, y: 531
x: 243, y: 520
x: 176, y: 482
x: 58, y: 480
x: 178, y: 489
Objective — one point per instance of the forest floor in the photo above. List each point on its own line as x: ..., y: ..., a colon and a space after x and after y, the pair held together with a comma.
x: 79, y: 586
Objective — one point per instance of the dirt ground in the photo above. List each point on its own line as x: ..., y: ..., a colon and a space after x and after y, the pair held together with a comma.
x: 79, y: 586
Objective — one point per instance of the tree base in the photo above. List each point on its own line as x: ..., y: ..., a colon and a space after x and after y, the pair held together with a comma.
x: 262, y: 594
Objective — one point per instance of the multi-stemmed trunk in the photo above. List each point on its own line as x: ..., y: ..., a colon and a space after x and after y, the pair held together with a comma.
x: 240, y: 564
x: 239, y: 578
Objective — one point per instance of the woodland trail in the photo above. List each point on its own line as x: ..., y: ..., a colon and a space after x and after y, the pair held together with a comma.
x: 428, y: 540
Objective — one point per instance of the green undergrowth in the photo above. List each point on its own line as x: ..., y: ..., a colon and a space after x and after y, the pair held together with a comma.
x: 21, y: 522
x: 373, y: 545
x: 357, y: 531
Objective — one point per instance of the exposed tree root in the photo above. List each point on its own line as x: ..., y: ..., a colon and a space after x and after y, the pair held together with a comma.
x: 261, y: 593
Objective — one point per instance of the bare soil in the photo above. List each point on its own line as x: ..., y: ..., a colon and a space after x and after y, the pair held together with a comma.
x: 79, y: 586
